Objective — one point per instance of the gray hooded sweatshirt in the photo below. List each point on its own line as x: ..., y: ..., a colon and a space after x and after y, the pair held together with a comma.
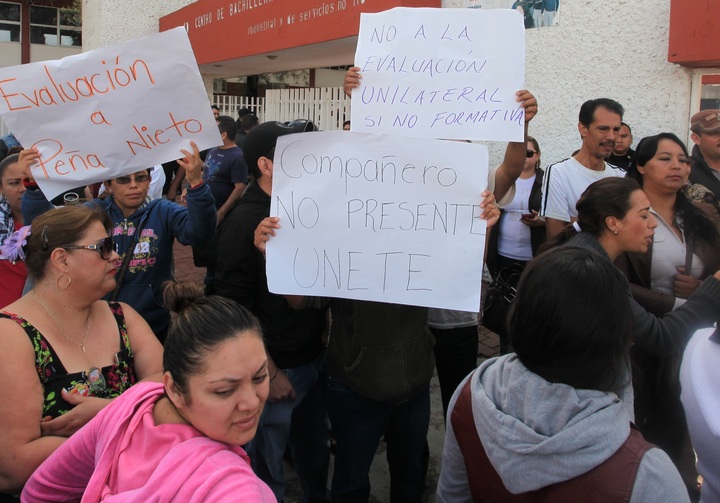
x: 537, y: 433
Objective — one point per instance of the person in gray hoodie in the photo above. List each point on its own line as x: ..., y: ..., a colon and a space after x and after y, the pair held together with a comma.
x: 552, y: 421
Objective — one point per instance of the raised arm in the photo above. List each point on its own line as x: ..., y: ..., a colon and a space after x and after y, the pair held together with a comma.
x: 514, y: 160
x: 669, y: 334
x: 197, y: 223
x: 352, y: 80
x: 34, y: 202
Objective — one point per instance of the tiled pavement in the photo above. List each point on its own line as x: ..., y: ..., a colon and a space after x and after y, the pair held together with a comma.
x: 184, y: 267
x: 488, y: 345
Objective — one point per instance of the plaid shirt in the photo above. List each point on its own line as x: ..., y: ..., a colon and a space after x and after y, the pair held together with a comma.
x: 7, y: 226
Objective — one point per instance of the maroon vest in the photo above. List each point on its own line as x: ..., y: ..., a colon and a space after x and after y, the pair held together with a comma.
x: 611, y: 481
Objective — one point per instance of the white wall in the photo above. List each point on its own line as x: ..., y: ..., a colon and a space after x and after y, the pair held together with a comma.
x: 107, y: 22
x: 10, y: 54
x: 602, y: 48
x: 329, y: 78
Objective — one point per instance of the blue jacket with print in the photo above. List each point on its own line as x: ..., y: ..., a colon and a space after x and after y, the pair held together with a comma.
x: 151, y: 264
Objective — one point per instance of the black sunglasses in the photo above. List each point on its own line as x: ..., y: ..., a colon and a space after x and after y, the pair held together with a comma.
x: 124, y: 180
x: 529, y: 153
x: 104, y: 247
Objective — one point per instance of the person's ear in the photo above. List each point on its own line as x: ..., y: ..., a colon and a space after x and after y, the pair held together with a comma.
x: 108, y: 186
x: 265, y: 166
x: 582, y: 130
x: 612, y: 224
x: 58, y: 259
x: 695, y: 138
x: 176, y: 396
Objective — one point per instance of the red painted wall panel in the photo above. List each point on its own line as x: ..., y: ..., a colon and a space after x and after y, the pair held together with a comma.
x: 220, y: 29
x: 694, y: 33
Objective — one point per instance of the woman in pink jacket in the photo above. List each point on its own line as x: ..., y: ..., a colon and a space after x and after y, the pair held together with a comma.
x: 179, y: 440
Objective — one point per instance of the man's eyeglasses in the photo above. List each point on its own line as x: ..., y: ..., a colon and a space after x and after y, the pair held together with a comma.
x: 104, y: 247
x: 529, y: 153
x: 124, y: 180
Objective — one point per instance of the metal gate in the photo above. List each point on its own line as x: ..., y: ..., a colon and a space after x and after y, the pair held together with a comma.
x: 327, y: 107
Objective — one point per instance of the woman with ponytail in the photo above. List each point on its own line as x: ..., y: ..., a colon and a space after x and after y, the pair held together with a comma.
x: 685, y: 252
x: 179, y: 440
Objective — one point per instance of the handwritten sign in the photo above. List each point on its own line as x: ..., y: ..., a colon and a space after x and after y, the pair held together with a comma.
x: 108, y: 112
x: 440, y: 73
x: 375, y: 217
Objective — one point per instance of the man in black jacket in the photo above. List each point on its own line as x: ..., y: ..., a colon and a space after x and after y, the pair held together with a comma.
x: 295, y: 413
x: 705, y: 167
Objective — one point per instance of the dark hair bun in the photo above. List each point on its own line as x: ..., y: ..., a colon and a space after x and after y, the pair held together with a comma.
x: 179, y: 295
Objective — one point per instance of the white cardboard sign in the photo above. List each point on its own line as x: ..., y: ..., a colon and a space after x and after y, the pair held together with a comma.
x: 108, y: 112
x: 377, y: 217
x: 440, y: 73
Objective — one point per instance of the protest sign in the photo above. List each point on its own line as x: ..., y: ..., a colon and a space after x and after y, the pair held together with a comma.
x: 108, y: 112
x: 440, y: 73
x: 378, y: 217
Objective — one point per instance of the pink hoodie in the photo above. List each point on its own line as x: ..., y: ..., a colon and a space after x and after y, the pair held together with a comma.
x: 121, y: 455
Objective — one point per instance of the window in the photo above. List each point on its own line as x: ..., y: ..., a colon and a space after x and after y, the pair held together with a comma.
x: 52, y: 26
x: 9, y: 22
x: 710, y: 92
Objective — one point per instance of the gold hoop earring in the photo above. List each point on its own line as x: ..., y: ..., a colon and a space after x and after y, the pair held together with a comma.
x: 69, y: 281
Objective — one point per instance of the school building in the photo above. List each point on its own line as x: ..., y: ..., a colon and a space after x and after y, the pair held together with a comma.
x: 659, y: 58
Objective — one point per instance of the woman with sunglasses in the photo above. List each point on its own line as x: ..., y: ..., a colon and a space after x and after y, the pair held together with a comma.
x: 145, y: 231
x: 684, y: 252
x: 179, y: 440
x: 521, y: 231
x: 64, y: 352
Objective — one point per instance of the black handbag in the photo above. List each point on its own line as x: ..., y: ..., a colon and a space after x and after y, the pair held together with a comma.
x: 498, y: 299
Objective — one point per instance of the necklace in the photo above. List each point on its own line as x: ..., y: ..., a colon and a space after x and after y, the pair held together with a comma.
x: 59, y: 325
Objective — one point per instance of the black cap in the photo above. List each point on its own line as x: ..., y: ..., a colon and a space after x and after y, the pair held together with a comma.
x: 261, y: 140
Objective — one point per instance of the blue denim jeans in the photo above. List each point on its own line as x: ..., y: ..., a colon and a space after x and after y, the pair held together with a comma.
x: 358, y: 424
x: 300, y: 424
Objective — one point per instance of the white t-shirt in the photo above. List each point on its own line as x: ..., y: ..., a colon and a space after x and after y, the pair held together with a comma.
x: 668, y: 254
x: 700, y: 397
x: 449, y: 318
x: 563, y: 185
x: 513, y: 235
x: 157, y: 181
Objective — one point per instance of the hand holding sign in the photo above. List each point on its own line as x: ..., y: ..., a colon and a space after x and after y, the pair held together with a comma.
x: 26, y: 160
x: 192, y: 164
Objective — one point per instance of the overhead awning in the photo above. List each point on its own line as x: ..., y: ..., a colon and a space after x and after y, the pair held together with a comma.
x: 238, y: 36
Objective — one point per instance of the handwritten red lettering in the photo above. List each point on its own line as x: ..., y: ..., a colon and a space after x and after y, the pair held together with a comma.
x: 145, y: 140
x: 62, y: 162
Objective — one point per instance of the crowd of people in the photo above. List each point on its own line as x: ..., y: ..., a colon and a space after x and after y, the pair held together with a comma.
x: 592, y: 399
